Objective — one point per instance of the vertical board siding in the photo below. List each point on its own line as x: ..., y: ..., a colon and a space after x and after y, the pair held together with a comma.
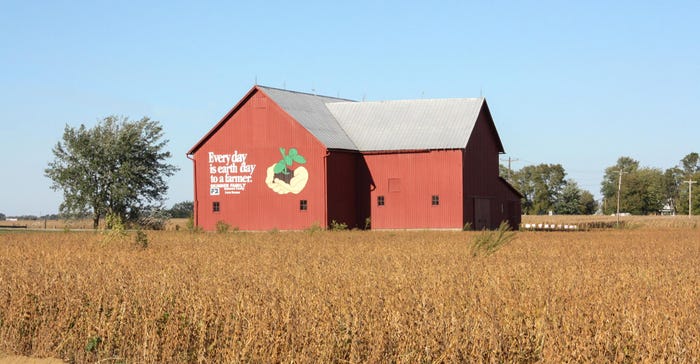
x: 481, y: 180
x: 408, y: 181
x: 259, y: 128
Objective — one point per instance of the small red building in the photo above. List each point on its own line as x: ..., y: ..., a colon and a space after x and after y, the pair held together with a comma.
x: 290, y: 160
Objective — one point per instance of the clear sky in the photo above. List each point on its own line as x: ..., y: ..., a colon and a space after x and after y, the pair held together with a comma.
x: 576, y: 83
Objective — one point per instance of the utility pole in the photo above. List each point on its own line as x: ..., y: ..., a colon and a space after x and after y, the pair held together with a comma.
x: 619, y: 187
x: 690, y: 196
x: 509, y: 162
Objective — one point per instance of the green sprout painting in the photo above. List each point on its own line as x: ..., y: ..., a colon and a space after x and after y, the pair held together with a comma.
x: 287, y: 160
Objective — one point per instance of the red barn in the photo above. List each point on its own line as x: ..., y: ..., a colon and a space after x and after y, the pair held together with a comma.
x: 290, y: 160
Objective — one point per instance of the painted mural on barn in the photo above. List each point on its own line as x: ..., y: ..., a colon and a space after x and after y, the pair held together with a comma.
x: 282, y: 178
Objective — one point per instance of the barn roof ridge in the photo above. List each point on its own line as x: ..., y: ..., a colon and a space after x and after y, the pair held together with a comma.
x: 382, y: 125
x: 340, y: 99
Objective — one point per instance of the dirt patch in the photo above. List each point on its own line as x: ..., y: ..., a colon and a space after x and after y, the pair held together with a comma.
x: 14, y: 359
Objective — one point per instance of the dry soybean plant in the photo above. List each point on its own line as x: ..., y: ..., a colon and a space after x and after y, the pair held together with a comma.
x: 352, y: 296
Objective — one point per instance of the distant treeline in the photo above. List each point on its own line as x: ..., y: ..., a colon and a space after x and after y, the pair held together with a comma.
x: 183, y: 209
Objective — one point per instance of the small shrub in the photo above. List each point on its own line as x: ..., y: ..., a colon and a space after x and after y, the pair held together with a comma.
x: 313, y: 228
x: 222, y: 227
x: 115, y: 224
x: 141, y: 239
x: 368, y: 223
x: 191, y: 227
x: 467, y: 226
x: 93, y: 343
x: 338, y: 226
x: 488, y: 242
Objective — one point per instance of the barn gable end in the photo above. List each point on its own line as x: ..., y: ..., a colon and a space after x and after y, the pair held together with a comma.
x: 235, y: 164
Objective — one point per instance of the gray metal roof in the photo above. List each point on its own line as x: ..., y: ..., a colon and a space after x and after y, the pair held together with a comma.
x: 408, y: 124
x: 382, y: 125
x: 311, y: 112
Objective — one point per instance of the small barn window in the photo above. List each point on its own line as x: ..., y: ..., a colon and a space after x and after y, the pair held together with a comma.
x: 380, y: 200
x: 303, y: 205
x: 436, y: 200
x: 215, y: 206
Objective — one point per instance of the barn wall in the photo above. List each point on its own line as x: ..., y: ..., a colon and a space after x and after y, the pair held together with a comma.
x: 248, y: 198
x: 487, y: 199
x: 407, y: 181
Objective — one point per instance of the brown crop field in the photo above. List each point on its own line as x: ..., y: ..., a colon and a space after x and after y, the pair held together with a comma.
x: 624, y: 295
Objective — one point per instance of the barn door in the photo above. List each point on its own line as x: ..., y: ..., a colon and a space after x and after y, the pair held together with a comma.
x: 482, y: 213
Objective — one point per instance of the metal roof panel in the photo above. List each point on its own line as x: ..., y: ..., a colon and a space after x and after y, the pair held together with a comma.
x: 408, y: 124
x: 311, y: 112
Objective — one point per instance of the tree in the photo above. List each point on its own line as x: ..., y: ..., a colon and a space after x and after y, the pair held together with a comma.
x: 610, y: 182
x: 569, y: 202
x: 643, y: 190
x: 540, y: 186
x: 682, y: 203
x: 691, y: 163
x: 588, y: 204
x: 574, y: 201
x: 2, y: 217
x: 182, y: 209
x: 116, y: 167
x: 673, y: 178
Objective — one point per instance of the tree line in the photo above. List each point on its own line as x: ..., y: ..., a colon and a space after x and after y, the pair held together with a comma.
x: 643, y: 190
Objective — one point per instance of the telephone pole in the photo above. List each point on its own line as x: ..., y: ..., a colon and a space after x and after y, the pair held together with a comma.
x: 619, y: 187
x: 690, y: 196
x: 509, y: 162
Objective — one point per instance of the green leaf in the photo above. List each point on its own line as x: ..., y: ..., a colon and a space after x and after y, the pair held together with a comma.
x: 299, y: 159
x: 280, y: 166
x: 293, y: 152
x: 288, y: 160
x: 283, y: 153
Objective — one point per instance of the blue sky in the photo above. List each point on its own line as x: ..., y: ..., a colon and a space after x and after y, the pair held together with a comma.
x: 575, y: 83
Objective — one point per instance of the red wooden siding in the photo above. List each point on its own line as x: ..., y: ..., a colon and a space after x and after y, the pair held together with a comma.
x: 487, y: 198
x: 407, y: 181
x: 258, y: 129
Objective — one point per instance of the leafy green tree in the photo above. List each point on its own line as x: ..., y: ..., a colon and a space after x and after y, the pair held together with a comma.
x: 611, y: 178
x: 672, y: 181
x: 575, y: 201
x: 682, y: 203
x: 2, y: 217
x: 540, y: 185
x: 691, y: 163
x: 569, y: 202
x: 643, y: 190
x: 588, y: 204
x: 182, y: 209
x: 677, y: 190
x: 117, y: 167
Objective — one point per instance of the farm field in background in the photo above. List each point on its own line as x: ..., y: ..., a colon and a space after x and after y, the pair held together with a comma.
x: 354, y: 296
